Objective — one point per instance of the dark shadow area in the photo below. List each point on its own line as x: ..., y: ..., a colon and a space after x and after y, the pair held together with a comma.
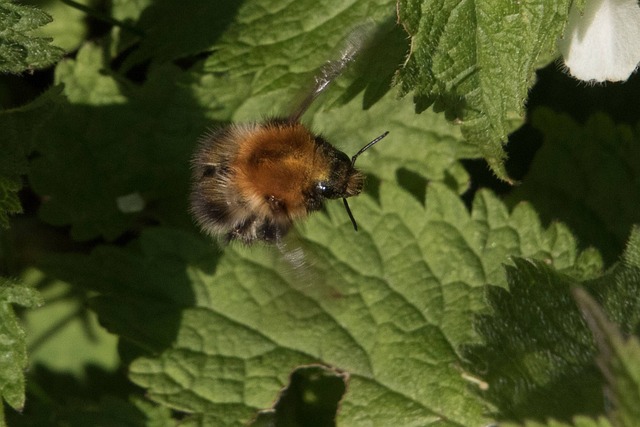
x: 414, y: 183
x: 481, y: 176
x: 310, y: 400
x: 538, y: 358
x: 55, y: 398
x: 372, y: 187
x: 84, y: 159
x: 553, y: 178
x: 171, y: 32
x: 580, y: 100
x: 580, y: 172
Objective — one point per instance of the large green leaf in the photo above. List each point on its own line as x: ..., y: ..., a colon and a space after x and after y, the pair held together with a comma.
x: 538, y: 351
x: 576, y: 422
x: 387, y: 306
x: 377, y: 316
x: 475, y: 59
x: 12, y: 341
x: 618, y: 359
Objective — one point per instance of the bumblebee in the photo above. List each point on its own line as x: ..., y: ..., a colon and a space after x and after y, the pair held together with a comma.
x: 252, y: 181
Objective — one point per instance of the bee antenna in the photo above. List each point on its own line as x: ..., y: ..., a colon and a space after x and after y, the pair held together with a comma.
x: 353, y: 220
x: 353, y: 161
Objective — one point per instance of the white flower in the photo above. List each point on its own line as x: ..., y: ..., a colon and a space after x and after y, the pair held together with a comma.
x: 603, y: 41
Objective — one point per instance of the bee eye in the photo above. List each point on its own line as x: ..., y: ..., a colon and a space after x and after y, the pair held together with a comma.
x: 327, y: 190
x: 321, y: 188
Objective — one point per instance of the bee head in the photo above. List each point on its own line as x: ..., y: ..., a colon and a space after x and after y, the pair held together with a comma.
x: 343, y: 181
x: 354, y: 178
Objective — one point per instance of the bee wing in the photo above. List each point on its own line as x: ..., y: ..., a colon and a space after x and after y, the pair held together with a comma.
x: 293, y: 252
x: 333, y: 68
x: 302, y: 266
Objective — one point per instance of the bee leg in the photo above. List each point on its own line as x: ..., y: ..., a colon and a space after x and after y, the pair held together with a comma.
x: 271, y: 232
x: 242, y: 231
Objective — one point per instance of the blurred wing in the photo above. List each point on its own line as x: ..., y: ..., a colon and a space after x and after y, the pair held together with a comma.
x: 291, y: 249
x: 333, y: 68
x: 302, y: 266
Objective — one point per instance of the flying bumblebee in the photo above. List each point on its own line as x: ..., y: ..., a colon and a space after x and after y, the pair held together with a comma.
x: 252, y: 181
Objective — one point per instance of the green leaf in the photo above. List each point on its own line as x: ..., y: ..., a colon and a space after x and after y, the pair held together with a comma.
x: 242, y: 33
x: 617, y: 291
x: 113, y: 143
x: 156, y: 416
x: 9, y: 202
x: 388, y: 306
x: 16, y: 127
x: 170, y: 35
x: 311, y: 398
x: 262, y: 72
x: 19, y: 49
x: 575, y: 422
x: 417, y: 149
x: 64, y: 408
x: 539, y: 352
x: 12, y: 340
x: 618, y: 359
x: 127, y: 37
x: 73, y: 376
x: 141, y: 138
x: 68, y: 27
x: 586, y: 176
x: 114, y: 412
x: 63, y: 335
x: 475, y: 60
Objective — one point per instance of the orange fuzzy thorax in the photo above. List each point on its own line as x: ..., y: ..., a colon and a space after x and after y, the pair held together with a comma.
x: 273, y: 167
